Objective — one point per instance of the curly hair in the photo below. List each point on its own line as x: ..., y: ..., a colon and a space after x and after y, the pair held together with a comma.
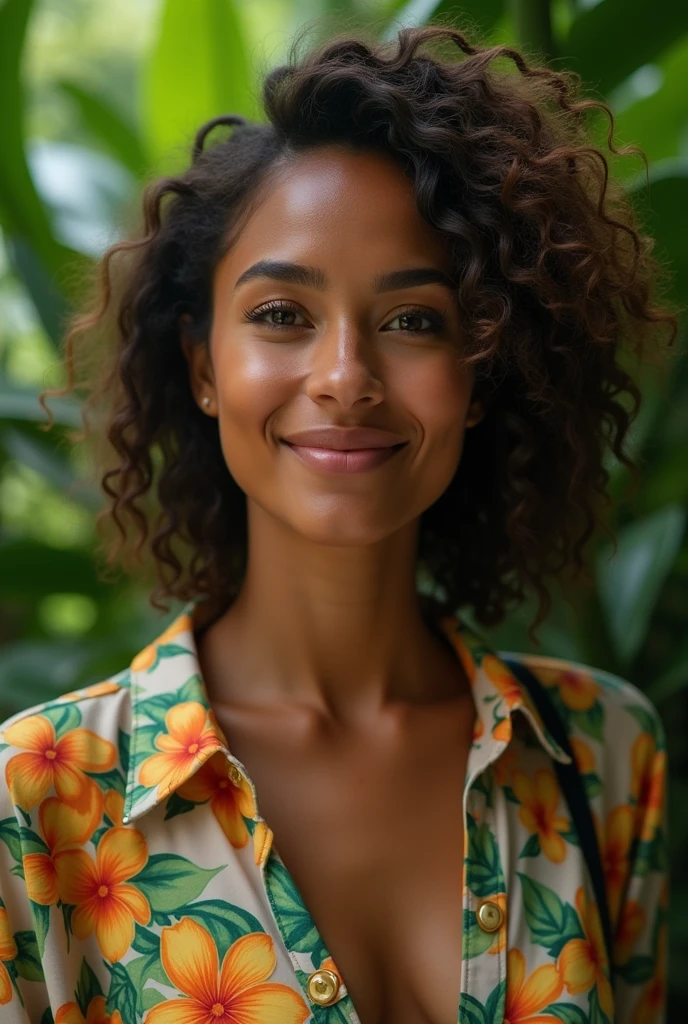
x: 555, y: 284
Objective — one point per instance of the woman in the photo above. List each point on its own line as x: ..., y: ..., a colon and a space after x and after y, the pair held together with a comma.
x: 367, y: 358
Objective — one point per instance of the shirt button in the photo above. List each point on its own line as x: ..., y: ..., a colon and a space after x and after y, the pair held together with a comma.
x: 490, y: 916
x: 323, y: 987
x: 234, y: 774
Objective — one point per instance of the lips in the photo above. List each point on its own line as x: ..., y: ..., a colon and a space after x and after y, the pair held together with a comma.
x: 339, y: 438
x: 338, y: 460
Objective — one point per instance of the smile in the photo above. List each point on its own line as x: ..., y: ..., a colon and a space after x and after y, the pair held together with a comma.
x: 348, y: 460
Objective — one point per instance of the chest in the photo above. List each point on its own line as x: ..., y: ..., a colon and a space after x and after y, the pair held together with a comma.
x: 372, y: 835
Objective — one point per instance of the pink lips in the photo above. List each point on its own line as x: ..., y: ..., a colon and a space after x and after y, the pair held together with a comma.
x: 352, y: 460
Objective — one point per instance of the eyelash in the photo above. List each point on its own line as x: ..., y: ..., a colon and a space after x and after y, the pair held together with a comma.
x: 437, y: 321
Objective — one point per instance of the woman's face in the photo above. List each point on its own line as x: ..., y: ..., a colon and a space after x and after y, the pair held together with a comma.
x: 306, y: 335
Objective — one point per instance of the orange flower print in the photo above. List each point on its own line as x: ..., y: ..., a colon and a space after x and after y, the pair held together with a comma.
x: 114, y: 806
x: 648, y: 768
x: 583, y: 755
x: 236, y: 991
x: 8, y: 951
x: 504, y: 681
x: 148, y: 657
x: 582, y: 962
x: 629, y: 929
x: 97, y: 690
x: 577, y: 688
x: 105, y: 901
x: 70, y: 1013
x: 616, y: 847
x: 52, y: 762
x: 62, y: 826
x: 188, y: 742
x: 538, y: 795
x: 526, y: 998
x: 229, y: 803
x: 262, y: 841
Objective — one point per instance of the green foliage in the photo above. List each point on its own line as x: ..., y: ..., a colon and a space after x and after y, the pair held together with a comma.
x: 204, y: 59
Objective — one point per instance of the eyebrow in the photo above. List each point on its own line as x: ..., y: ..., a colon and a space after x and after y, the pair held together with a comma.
x: 312, y: 277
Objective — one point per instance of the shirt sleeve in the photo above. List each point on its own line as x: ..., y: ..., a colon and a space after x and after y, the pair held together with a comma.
x: 23, y: 993
x: 640, y: 935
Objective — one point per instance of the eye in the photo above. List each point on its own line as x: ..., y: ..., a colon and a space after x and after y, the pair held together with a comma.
x: 281, y: 315
x: 411, y: 317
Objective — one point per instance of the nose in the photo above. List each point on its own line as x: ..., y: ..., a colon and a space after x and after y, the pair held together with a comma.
x: 345, y: 368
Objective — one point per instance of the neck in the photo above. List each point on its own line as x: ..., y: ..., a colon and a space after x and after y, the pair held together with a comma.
x: 340, y: 629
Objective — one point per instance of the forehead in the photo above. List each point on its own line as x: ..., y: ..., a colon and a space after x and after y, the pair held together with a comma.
x: 339, y: 205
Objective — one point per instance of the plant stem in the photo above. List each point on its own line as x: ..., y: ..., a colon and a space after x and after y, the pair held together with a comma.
x: 533, y: 25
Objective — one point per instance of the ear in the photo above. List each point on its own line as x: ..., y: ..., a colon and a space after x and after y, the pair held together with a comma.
x: 201, y: 374
x: 476, y: 412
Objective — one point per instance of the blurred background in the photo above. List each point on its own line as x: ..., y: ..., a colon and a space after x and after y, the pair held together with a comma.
x: 95, y: 99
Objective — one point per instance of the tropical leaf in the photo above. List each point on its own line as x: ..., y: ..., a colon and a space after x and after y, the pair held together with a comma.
x: 169, y: 881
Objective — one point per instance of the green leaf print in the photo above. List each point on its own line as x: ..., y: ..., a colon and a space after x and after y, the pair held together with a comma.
x: 27, y: 960
x: 41, y: 922
x: 566, y: 1012
x: 597, y: 1015
x: 47, y: 1017
x: 168, y: 881
x: 476, y: 941
x: 178, y: 805
x: 645, y: 719
x: 31, y: 842
x: 122, y: 994
x: 143, y: 969
x: 551, y: 922
x: 87, y: 987
x: 592, y: 784
x: 191, y: 690
x: 532, y: 846
x: 638, y: 970
x: 123, y: 748
x: 471, y: 1011
x: 591, y: 722
x: 297, y: 927
x: 64, y: 718
x: 151, y: 997
x: 494, y: 1007
x: 225, y: 922
x: 156, y: 708
x: 108, y: 780
x: 145, y: 941
x: 9, y: 834
x: 483, y: 868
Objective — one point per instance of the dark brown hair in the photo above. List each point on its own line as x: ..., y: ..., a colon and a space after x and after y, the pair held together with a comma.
x: 556, y: 283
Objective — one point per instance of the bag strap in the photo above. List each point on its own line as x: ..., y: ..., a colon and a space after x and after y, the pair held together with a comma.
x: 573, y: 789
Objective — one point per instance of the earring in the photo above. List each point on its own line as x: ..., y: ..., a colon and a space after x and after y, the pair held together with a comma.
x: 206, y: 402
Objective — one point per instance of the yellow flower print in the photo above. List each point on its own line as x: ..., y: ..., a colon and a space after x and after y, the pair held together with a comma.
x: 52, y: 762
x: 538, y: 795
x: 8, y: 951
x: 236, y: 991
x: 648, y: 768
x: 229, y: 803
x: 504, y: 681
x: 69, y: 1013
x: 616, y: 848
x: 582, y: 962
x: 630, y: 927
x: 62, y: 827
x: 188, y: 742
x: 577, y: 688
x: 105, y: 900
x: 146, y: 658
x: 525, y: 998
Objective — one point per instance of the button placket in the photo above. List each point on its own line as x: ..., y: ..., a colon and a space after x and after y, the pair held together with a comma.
x: 323, y: 986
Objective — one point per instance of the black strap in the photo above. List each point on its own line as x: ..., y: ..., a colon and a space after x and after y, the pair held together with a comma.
x: 574, y: 791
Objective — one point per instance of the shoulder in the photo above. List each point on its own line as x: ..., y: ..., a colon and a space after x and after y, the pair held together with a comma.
x: 594, y: 701
x: 52, y: 745
x: 616, y: 732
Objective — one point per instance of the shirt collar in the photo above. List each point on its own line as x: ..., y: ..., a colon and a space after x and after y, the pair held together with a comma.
x: 174, y: 731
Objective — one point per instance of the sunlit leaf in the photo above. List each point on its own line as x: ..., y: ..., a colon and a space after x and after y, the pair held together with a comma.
x: 199, y: 69
x: 108, y: 126
x: 464, y: 14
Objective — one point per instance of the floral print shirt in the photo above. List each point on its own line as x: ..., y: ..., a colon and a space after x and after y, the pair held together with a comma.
x: 139, y: 882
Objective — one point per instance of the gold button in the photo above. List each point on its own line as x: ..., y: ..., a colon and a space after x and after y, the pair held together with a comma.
x: 323, y: 987
x: 490, y: 916
x: 234, y: 774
